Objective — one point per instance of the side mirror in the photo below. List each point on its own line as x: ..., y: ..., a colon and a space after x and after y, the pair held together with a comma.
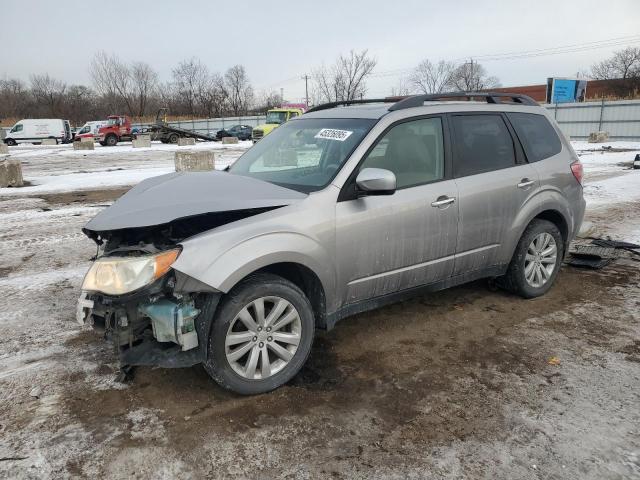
x: 376, y: 181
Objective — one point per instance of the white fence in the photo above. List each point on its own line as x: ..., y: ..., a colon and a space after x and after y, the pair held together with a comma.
x: 621, y: 118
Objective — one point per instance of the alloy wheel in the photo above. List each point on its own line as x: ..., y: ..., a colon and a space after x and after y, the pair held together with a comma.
x: 263, y: 337
x: 540, y: 260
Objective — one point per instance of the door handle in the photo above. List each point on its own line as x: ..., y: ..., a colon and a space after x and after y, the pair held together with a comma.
x: 525, y: 183
x: 443, y: 201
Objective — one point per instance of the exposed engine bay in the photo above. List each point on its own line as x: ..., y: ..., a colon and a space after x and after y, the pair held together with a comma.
x: 167, y: 322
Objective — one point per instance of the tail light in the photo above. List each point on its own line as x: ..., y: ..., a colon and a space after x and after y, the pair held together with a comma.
x: 577, y: 170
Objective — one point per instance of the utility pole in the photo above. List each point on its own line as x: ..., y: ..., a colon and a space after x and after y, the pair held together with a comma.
x: 305, y: 77
x: 281, y: 96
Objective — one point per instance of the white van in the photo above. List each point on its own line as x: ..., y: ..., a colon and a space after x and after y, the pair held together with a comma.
x: 90, y: 129
x: 35, y: 130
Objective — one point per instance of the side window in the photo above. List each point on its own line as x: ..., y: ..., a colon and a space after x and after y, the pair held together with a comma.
x: 413, y: 151
x: 539, y: 139
x: 17, y: 128
x: 293, y: 115
x: 483, y: 143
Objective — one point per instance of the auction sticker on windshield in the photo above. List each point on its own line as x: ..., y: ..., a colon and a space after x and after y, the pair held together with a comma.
x: 333, y: 134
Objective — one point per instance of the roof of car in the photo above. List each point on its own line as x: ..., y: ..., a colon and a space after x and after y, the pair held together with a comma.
x: 370, y: 110
x: 378, y: 110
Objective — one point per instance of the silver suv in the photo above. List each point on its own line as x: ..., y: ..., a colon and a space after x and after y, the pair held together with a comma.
x: 349, y: 207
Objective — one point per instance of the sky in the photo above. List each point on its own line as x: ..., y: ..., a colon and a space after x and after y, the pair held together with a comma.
x: 278, y: 41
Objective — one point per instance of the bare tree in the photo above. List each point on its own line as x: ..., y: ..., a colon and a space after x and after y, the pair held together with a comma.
x: 345, y: 80
x: 472, y: 77
x: 144, y: 81
x: 623, y: 68
x: 190, y: 77
x: 49, y: 92
x: 111, y: 77
x: 13, y: 98
x: 212, y: 96
x: 430, y: 77
x: 240, y: 92
x: 267, y: 100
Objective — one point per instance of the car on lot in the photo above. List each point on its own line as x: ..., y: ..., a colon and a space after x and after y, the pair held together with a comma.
x: 347, y: 208
x: 242, y: 132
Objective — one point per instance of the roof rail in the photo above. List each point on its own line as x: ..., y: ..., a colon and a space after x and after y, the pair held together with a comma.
x: 490, y: 97
x: 326, y: 106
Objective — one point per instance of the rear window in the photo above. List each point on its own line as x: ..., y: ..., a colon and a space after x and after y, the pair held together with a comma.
x: 483, y: 144
x: 539, y: 139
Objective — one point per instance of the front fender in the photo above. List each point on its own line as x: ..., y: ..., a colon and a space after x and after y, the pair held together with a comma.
x: 223, y: 270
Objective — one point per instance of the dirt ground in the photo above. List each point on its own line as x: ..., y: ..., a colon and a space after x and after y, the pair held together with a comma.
x: 467, y: 383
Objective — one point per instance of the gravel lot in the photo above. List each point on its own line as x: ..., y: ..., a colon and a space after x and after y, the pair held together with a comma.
x: 467, y: 383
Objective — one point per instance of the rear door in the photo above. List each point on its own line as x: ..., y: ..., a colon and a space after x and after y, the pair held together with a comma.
x: 394, y: 242
x: 494, y: 182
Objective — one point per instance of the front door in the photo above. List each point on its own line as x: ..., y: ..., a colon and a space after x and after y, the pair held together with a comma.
x: 494, y: 182
x: 390, y: 243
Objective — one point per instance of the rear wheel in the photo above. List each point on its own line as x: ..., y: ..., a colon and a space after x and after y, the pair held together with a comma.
x: 536, y: 261
x: 261, y: 335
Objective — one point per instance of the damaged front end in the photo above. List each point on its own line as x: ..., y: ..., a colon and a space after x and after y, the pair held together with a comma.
x: 152, y: 313
x: 164, y: 322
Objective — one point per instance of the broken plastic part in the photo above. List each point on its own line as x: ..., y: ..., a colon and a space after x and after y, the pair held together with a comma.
x: 172, y: 322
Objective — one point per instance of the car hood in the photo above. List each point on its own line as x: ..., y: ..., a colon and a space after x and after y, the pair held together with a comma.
x: 166, y: 198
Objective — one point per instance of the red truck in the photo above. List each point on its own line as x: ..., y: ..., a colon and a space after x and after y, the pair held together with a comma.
x: 117, y: 129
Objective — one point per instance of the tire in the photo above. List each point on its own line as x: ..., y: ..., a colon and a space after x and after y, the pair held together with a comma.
x: 173, y: 138
x: 521, y: 277
x: 104, y: 144
x: 111, y: 141
x: 11, y: 142
x: 235, y: 374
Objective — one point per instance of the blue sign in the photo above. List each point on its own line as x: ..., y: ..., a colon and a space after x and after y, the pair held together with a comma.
x: 564, y: 91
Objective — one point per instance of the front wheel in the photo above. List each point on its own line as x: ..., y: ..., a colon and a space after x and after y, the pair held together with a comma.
x: 536, y: 261
x: 11, y: 142
x: 173, y: 138
x: 261, y: 335
x: 111, y: 141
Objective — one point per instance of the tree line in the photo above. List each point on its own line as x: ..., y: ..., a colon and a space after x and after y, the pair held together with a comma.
x: 135, y: 88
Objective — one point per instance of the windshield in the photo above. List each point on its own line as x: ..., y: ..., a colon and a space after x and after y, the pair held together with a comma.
x: 85, y: 129
x: 304, y: 154
x: 276, y: 117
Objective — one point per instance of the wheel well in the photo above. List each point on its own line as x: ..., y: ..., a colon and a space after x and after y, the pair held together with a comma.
x: 558, y: 220
x: 307, y: 281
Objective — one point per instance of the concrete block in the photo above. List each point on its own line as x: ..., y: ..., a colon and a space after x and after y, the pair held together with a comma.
x: 229, y: 140
x: 143, y: 141
x: 49, y: 141
x: 87, y: 139
x: 184, y: 142
x: 83, y: 145
x: 11, y: 173
x: 194, y: 161
x: 598, y: 137
x: 4, y: 148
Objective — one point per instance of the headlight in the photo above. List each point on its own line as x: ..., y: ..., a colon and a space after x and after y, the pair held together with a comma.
x: 120, y: 275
